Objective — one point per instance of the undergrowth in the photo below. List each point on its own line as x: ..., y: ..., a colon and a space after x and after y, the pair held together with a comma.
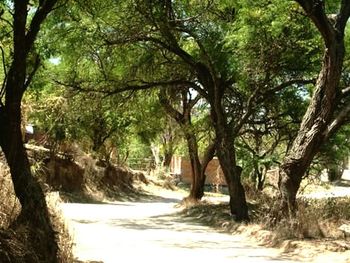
x: 13, y: 247
x: 316, y: 218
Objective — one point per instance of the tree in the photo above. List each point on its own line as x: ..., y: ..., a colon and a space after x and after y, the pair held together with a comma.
x: 18, y: 77
x: 157, y: 131
x: 187, y: 44
x: 327, y: 110
x: 184, y: 34
x: 184, y: 119
x: 266, y: 138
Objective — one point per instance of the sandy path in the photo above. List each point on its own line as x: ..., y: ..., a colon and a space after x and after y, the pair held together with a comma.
x: 149, y: 232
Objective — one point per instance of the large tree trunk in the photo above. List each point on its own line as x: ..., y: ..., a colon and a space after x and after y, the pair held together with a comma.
x: 227, y: 158
x: 314, y: 126
x: 232, y: 173
x: 226, y: 153
x: 34, y: 212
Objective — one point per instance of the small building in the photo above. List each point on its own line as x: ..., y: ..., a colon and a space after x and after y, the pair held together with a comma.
x: 181, y: 167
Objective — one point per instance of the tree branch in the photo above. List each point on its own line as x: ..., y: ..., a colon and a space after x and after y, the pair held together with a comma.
x: 289, y: 83
x: 173, y: 113
x: 249, y: 110
x: 338, y: 121
x: 209, y: 154
x: 194, y: 101
x: 315, y: 9
x: 142, y: 85
x: 44, y: 8
x: 345, y: 92
x: 343, y: 15
x: 175, y: 49
x: 32, y: 73
x: 252, y: 100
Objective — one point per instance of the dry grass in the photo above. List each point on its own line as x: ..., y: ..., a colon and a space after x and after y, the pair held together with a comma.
x: 12, y: 246
x: 100, y: 181
x: 315, y: 219
x: 65, y: 242
x: 9, y: 204
x: 316, y: 223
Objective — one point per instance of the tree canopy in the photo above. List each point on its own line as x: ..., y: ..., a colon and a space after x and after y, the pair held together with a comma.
x: 259, y: 83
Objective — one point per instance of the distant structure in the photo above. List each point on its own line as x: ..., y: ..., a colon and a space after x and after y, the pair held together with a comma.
x: 181, y: 168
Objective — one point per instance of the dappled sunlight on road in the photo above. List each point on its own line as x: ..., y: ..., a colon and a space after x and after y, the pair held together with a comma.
x: 151, y: 231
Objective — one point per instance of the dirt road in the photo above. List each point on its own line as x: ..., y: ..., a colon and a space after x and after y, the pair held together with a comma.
x: 150, y: 232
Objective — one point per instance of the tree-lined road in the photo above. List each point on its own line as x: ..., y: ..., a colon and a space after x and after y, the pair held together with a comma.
x: 150, y: 232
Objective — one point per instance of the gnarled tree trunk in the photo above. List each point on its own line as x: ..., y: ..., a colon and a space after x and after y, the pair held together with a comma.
x: 318, y: 117
x: 313, y: 127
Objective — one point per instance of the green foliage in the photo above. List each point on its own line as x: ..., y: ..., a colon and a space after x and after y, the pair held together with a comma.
x: 269, y: 48
x: 104, y: 46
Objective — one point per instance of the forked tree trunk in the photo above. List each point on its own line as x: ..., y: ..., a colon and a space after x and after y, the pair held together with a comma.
x: 184, y: 121
x: 198, y: 167
x: 314, y: 126
x: 198, y: 171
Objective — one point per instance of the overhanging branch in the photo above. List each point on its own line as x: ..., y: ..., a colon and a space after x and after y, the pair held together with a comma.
x: 339, y: 120
x: 142, y: 85
x: 315, y: 9
x: 44, y: 8
x: 343, y: 16
x: 289, y: 83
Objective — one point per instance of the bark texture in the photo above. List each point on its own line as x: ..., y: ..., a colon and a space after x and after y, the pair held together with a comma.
x: 320, y: 113
x: 34, y: 213
x: 226, y: 153
x: 232, y: 173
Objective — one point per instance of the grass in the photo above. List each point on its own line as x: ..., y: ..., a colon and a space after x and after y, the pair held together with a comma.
x: 316, y: 221
x: 64, y: 239
x: 9, y: 204
x: 12, y: 245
